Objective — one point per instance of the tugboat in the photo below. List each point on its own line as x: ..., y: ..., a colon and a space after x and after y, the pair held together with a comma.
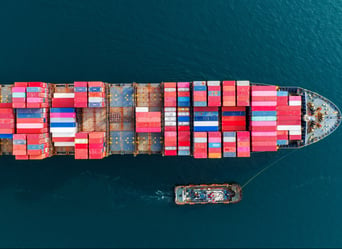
x: 208, y: 194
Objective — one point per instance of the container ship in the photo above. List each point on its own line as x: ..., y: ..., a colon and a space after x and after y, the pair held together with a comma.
x: 203, y: 119
x: 208, y: 194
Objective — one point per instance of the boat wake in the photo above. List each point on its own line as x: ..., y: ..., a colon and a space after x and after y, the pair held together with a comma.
x: 159, y: 196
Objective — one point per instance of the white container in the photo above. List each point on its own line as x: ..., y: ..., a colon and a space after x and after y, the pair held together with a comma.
x: 183, y: 89
x: 199, y: 83
x: 31, y: 126
x: 213, y: 83
x: 182, y: 113
x: 141, y: 109
x: 297, y: 132
x: 170, y: 148
x: 62, y: 120
x: 183, y: 123
x: 170, y: 114
x: 169, y: 109
x: 229, y: 139
x: 62, y: 144
x: 200, y: 140
x: 64, y: 130
x: 169, y: 89
x: 295, y: 103
x: 289, y: 128
x: 64, y: 95
x: 183, y: 148
x: 242, y: 83
x: 64, y: 134
x: 205, y: 123
x: 95, y: 99
x: 170, y: 123
x: 170, y: 119
x: 81, y: 141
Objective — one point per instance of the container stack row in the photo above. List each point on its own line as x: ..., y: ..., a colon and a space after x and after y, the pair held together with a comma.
x: 97, y: 145
x: 264, y: 118
x: 243, y: 144
x: 242, y: 93
x: 19, y: 95
x: 63, y: 126
x: 199, y: 93
x: 81, y: 145
x: 6, y: 96
x: 228, y: 93
x: 206, y: 119
x: 289, y: 118
x: 146, y: 121
x: 214, y: 144
x: 229, y: 144
x: 37, y: 95
x: 233, y: 118
x: 170, y: 119
x: 81, y: 94
x: 31, y: 146
x: 20, y: 146
x: 214, y: 93
x: 63, y: 100
x: 32, y: 120
x: 96, y: 94
x: 183, y: 118
x: 7, y: 125
x: 200, y: 145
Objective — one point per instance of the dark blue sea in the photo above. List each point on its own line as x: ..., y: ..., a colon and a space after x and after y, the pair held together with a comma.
x: 124, y: 201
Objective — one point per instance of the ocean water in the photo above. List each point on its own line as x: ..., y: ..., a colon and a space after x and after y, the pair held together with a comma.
x: 124, y: 201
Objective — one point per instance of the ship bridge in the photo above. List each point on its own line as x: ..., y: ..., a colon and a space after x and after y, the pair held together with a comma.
x: 322, y: 117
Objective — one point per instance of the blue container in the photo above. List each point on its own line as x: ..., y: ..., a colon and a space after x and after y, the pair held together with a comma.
x: 33, y: 89
x: 34, y: 146
x: 62, y: 125
x: 229, y: 154
x: 29, y: 115
x: 214, y: 93
x: 90, y: 104
x: 201, y: 103
x: 156, y: 145
x: 19, y: 142
x: 282, y: 93
x: 30, y: 110
x: 264, y: 113
x: 183, y: 119
x: 95, y: 89
x: 62, y: 110
x: 214, y: 145
x: 80, y: 89
x: 229, y: 134
x: 206, y: 118
x: 183, y: 99
x: 183, y: 104
x: 234, y: 113
x: 205, y: 128
x: 10, y: 136
x: 282, y: 142
x: 183, y: 153
x: 200, y: 88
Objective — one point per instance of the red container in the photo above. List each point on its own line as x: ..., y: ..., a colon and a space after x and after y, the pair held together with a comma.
x: 95, y: 84
x: 6, y: 110
x: 264, y: 148
x: 20, y: 84
x: 37, y: 84
x: 7, y: 131
x: 80, y: 84
x: 62, y: 102
x: 96, y: 94
x: 81, y: 146
x: 82, y: 135
x: 264, y: 88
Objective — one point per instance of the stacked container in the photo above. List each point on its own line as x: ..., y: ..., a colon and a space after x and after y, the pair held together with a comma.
x: 38, y: 146
x: 97, y: 145
x: 81, y: 145
x: 5, y: 96
x: 81, y: 94
x: 199, y: 94
x: 170, y: 143
x: 147, y: 121
x: 243, y: 144
x: 6, y: 121
x: 282, y: 98
x: 37, y: 95
x: 19, y: 145
x: 229, y: 144
x: 214, y: 93
x: 63, y: 126
x: 19, y: 96
x: 242, y: 93
x: 32, y: 121
x: 264, y: 118
x: 229, y: 93
x: 183, y: 94
x: 233, y: 118
x: 206, y: 119
x: 215, y: 145
x: 170, y: 94
x: 200, y: 145
x: 96, y: 94
x: 183, y: 143
x: 289, y: 118
x: 282, y: 138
